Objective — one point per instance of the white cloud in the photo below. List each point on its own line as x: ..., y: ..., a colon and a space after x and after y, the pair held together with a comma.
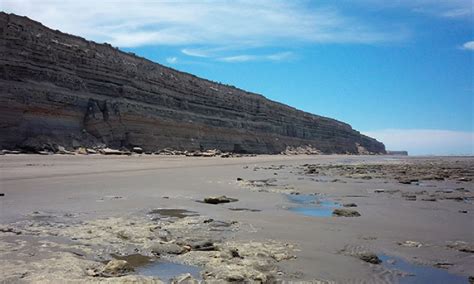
x: 239, y: 58
x: 211, y: 23
x: 280, y: 56
x: 172, y: 60
x: 468, y: 45
x: 195, y: 52
x: 426, y: 141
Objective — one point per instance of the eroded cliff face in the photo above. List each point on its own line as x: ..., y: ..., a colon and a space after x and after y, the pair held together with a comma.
x: 60, y: 89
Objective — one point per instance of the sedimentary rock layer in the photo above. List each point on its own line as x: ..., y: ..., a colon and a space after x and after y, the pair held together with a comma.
x: 57, y: 88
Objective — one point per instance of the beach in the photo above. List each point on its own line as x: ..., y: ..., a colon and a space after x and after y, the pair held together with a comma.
x: 277, y: 222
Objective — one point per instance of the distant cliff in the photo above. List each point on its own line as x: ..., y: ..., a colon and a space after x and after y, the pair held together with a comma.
x: 59, y: 89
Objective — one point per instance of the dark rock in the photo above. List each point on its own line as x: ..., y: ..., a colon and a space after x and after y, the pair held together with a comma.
x: 219, y: 199
x: 407, y: 180
x: 345, y: 213
x: 202, y: 245
x: 350, y: 205
x: 64, y: 90
x: 370, y: 258
x: 432, y: 199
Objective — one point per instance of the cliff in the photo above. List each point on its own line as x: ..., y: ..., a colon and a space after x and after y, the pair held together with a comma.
x: 59, y: 89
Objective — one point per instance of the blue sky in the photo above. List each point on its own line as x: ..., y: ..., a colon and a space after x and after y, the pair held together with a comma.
x: 401, y: 71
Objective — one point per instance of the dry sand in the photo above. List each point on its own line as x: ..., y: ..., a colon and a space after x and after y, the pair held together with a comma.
x: 50, y: 201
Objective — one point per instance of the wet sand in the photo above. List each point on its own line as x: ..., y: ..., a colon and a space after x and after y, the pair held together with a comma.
x: 433, y: 213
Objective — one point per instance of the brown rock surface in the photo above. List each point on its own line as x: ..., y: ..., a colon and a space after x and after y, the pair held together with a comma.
x: 59, y: 89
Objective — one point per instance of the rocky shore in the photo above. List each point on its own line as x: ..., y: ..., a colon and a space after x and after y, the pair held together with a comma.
x: 119, y: 219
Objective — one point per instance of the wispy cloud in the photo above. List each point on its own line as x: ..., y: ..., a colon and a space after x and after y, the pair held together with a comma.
x: 468, y: 45
x: 281, y: 56
x: 426, y: 141
x: 195, y: 52
x: 212, y: 23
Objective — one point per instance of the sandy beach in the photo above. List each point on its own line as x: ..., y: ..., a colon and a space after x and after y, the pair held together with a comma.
x: 64, y: 217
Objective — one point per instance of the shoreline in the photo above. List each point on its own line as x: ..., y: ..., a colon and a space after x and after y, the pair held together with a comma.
x: 96, y: 187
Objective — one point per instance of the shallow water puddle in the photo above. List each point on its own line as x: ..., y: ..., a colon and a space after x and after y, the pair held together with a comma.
x: 312, y: 205
x: 177, y: 213
x: 147, y: 266
x: 420, y: 273
x: 168, y: 270
x: 135, y: 260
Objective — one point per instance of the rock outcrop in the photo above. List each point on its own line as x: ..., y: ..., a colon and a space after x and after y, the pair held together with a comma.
x: 59, y: 89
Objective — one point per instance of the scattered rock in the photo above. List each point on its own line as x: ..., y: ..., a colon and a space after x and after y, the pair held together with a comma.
x: 81, y: 151
x: 11, y: 152
x: 109, y: 151
x: 205, y: 245
x: 461, y: 246
x: 411, y: 244
x: 245, y: 209
x: 409, y: 197
x: 443, y: 265
x: 10, y: 230
x: 432, y: 199
x: 219, y: 199
x: 390, y: 191
x: 462, y: 189
x: 349, y: 205
x: 116, y: 267
x: 463, y: 211
x: 62, y: 150
x: 184, y: 279
x: 137, y: 150
x: 407, y: 180
x: 345, y: 213
x: 301, y: 150
x: 166, y: 248
x: 370, y: 258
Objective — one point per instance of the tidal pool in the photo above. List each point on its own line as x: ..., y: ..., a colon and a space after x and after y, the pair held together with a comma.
x: 420, y: 273
x: 168, y: 270
x: 312, y: 205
